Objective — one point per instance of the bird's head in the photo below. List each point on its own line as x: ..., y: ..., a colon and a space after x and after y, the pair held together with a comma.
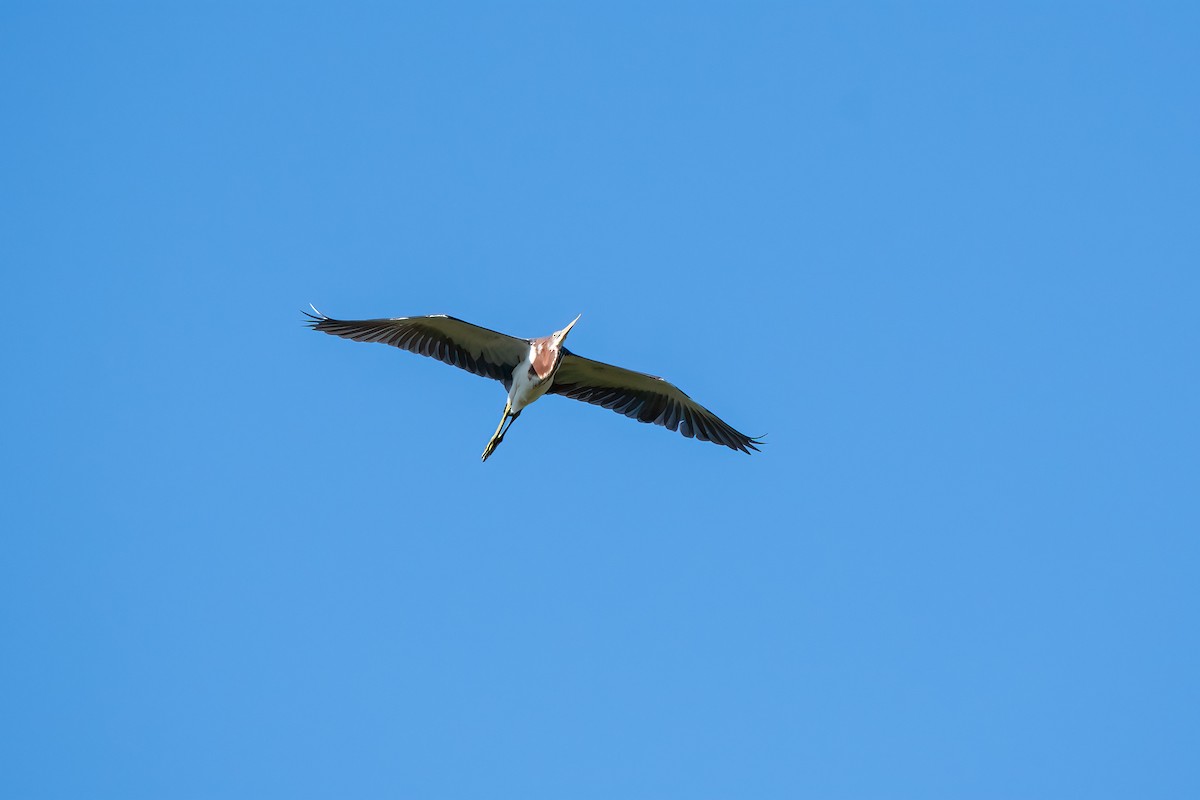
x: 558, y: 337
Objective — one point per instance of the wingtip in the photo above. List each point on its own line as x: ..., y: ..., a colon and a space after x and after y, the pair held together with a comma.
x: 753, y: 443
x: 314, y: 319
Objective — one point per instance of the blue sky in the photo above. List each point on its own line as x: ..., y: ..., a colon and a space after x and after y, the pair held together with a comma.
x: 944, y: 257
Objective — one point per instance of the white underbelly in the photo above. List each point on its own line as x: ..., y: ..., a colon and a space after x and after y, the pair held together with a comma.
x: 525, y: 388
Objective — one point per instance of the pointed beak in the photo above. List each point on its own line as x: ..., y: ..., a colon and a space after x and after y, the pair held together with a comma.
x: 567, y: 329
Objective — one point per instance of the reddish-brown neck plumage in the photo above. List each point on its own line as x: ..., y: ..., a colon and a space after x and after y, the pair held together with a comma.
x: 545, y: 354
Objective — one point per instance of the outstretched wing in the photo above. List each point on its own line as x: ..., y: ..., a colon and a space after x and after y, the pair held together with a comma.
x: 644, y: 398
x: 449, y: 340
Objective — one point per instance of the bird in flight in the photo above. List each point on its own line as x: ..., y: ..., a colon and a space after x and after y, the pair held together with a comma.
x: 530, y: 368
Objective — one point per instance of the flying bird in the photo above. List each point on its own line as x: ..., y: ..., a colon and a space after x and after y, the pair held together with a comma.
x: 530, y: 368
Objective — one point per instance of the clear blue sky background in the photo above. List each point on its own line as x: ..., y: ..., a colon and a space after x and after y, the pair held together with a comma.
x: 946, y: 258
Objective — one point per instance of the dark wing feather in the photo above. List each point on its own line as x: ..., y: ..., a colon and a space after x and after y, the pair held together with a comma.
x: 449, y: 340
x: 644, y: 398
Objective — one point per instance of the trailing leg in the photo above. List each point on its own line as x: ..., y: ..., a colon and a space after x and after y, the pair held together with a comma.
x: 498, y: 436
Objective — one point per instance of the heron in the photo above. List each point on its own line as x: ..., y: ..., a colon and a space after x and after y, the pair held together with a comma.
x: 531, y: 368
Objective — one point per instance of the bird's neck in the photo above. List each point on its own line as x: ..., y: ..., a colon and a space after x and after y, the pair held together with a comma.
x: 543, y: 358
